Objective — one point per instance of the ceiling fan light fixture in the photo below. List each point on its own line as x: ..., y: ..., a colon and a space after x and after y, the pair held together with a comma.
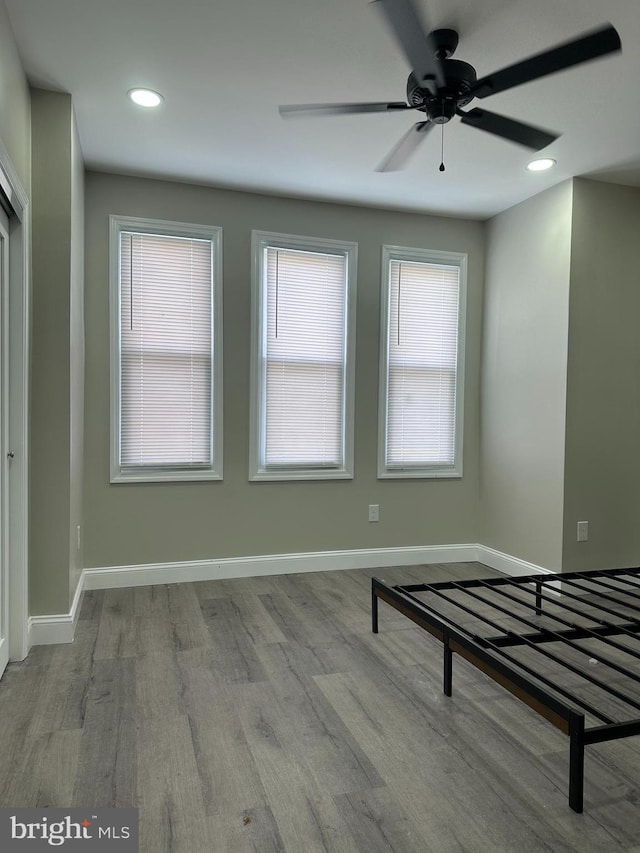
x: 145, y: 97
x: 541, y: 164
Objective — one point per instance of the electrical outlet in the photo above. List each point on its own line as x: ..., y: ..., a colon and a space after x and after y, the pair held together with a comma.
x: 583, y: 531
x: 374, y: 512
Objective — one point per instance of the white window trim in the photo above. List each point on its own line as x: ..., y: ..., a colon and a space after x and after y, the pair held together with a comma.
x: 259, y: 241
x: 402, y: 253
x: 172, y: 229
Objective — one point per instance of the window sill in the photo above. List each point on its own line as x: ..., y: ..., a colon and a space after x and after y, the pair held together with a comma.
x: 279, y: 475
x: 159, y: 476
x: 419, y: 473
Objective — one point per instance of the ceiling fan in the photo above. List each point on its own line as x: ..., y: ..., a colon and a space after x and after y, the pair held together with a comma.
x: 440, y: 86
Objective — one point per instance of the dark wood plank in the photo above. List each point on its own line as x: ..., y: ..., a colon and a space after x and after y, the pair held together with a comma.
x: 117, y: 632
x: 247, y: 831
x: 107, y: 760
x: 379, y: 824
x: 55, y: 755
x: 19, y: 691
x: 233, y: 656
x: 315, y: 733
x: 228, y: 776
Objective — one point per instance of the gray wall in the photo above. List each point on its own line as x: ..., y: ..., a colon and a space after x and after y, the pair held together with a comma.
x: 15, y: 106
x: 524, y: 358
x: 76, y: 344
x: 57, y: 346
x: 141, y: 523
x: 50, y: 402
x: 602, y: 473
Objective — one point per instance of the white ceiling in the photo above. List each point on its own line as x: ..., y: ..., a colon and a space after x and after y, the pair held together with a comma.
x: 224, y: 66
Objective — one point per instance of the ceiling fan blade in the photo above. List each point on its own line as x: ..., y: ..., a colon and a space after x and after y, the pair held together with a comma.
x: 515, y: 131
x: 293, y: 110
x: 401, y: 152
x: 408, y: 28
x: 589, y: 46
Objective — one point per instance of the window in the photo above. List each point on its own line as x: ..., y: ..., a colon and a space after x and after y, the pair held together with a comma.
x: 166, y: 351
x: 302, y: 365
x: 422, y: 361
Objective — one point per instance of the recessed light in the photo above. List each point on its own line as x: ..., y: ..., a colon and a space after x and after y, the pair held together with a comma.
x: 541, y: 165
x: 145, y: 97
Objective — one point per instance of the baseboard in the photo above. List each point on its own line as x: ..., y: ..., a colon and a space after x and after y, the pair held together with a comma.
x: 60, y: 628
x: 274, y: 564
x: 56, y: 628
x: 508, y: 565
x: 515, y: 567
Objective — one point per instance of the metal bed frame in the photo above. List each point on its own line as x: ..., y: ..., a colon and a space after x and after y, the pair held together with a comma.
x: 521, y: 600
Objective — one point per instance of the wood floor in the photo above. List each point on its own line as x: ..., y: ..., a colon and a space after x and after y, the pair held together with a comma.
x: 263, y: 715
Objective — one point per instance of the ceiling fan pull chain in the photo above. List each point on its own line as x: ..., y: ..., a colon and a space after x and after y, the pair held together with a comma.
x: 441, y: 167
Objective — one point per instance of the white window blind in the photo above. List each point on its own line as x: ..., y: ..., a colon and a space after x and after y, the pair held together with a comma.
x: 304, y: 351
x: 165, y: 369
x: 302, y: 357
x: 422, y: 347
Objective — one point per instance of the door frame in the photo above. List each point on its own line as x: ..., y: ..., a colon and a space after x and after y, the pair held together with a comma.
x: 15, y: 197
x: 5, y: 460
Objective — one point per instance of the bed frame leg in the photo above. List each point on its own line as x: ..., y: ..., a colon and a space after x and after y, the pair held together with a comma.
x: 448, y: 667
x: 538, y: 598
x: 576, y: 763
x: 374, y: 610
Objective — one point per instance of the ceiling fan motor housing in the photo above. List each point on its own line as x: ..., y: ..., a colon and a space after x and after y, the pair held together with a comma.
x: 441, y: 107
